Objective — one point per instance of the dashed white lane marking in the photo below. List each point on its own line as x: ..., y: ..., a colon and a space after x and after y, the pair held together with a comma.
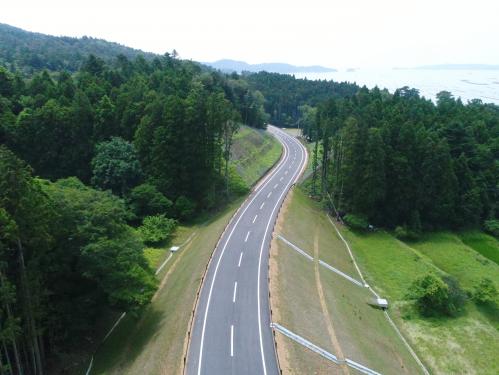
x: 261, y: 206
x: 232, y: 340
x: 276, y: 185
x: 235, y: 292
x: 240, y: 258
x: 281, y: 178
x: 286, y: 172
x: 255, y: 219
x: 269, y: 194
x: 247, y: 235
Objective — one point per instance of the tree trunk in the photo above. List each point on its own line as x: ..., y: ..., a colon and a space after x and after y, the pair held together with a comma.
x: 7, y: 357
x: 29, y: 312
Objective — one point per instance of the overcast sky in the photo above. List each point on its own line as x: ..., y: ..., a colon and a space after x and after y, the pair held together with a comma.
x: 348, y: 33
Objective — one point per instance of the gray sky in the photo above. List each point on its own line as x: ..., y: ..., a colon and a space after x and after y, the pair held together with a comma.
x: 348, y: 33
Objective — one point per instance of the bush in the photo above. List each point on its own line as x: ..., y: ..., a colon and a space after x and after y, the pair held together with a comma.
x: 156, y: 228
x: 356, y: 221
x: 485, y: 292
x: 146, y: 200
x: 435, y: 296
x: 184, y: 207
x: 492, y: 226
x: 403, y: 233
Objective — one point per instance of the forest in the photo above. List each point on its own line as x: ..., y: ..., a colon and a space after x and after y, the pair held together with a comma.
x: 93, y: 165
x: 106, y: 150
x: 401, y: 161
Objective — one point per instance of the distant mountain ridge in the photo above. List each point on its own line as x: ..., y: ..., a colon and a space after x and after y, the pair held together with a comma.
x: 29, y: 52
x: 227, y: 65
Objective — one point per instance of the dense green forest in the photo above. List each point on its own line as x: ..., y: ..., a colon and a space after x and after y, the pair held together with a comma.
x: 93, y: 165
x: 29, y: 52
x: 288, y: 99
x: 402, y: 161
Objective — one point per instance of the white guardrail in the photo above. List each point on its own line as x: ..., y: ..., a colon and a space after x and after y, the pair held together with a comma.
x: 324, y: 353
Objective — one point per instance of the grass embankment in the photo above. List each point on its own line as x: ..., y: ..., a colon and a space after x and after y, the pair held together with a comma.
x: 154, y: 342
x: 322, y: 306
x: 468, y: 343
x: 253, y: 153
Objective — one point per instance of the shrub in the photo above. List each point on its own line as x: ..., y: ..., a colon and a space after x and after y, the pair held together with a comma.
x: 403, y: 233
x: 485, y: 292
x: 156, y: 228
x: 184, y: 207
x: 492, y: 226
x: 436, y: 296
x: 146, y: 200
x: 356, y: 221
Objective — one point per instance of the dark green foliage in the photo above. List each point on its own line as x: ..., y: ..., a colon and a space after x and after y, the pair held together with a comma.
x: 435, y: 296
x: 284, y: 95
x: 485, y: 292
x: 146, y: 200
x: 184, y: 207
x: 115, y: 166
x: 156, y: 228
x: 492, y: 226
x: 405, y: 162
x: 356, y: 221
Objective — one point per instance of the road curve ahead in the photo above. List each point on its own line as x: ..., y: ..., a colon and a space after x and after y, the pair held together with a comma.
x: 231, y: 332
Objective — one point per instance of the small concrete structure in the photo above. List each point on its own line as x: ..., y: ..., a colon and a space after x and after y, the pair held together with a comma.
x: 174, y: 248
x: 381, y: 302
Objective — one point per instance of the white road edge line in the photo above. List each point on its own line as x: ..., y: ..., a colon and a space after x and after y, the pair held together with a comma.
x: 232, y: 340
x: 296, y: 174
x: 260, y: 186
x: 240, y: 258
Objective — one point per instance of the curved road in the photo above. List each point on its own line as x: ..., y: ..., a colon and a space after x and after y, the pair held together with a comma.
x: 231, y: 332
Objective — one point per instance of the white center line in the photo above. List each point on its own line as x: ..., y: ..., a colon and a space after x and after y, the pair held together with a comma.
x: 235, y: 291
x: 255, y: 219
x: 240, y: 258
x: 247, y: 235
x: 276, y: 185
x: 269, y: 194
x: 263, y: 204
x: 232, y: 341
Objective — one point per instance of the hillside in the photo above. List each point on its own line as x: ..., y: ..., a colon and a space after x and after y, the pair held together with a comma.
x: 29, y: 51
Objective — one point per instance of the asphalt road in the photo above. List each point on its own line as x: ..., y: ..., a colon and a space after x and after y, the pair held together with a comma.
x: 231, y: 332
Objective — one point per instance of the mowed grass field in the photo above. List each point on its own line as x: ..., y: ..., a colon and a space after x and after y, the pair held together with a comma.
x: 323, y: 307
x: 466, y: 344
x: 154, y: 342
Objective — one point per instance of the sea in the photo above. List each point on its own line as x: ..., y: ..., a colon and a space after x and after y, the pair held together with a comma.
x: 464, y: 84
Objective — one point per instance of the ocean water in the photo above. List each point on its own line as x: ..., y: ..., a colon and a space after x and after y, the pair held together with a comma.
x: 466, y: 84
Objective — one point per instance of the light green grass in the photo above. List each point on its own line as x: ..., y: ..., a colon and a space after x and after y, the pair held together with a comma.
x: 468, y: 343
x: 485, y: 244
x: 153, y: 343
x: 362, y: 331
x: 253, y: 153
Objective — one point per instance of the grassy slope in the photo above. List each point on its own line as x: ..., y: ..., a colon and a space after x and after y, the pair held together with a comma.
x: 362, y: 331
x: 486, y: 245
x: 253, y: 152
x: 154, y: 342
x: 465, y: 344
